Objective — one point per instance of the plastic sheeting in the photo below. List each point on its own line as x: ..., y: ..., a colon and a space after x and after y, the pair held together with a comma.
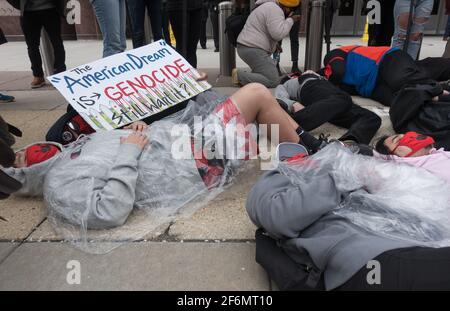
x: 165, y: 186
x: 389, y: 199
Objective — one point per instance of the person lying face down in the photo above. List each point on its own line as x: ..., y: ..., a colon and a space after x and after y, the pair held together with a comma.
x: 99, y: 179
x: 416, y: 150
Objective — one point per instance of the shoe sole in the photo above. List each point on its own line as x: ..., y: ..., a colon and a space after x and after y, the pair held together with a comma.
x: 6, y: 101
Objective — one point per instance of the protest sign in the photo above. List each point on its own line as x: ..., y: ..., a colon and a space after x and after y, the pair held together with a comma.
x: 126, y: 87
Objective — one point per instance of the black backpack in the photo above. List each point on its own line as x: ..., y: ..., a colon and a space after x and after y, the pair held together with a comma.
x: 234, y: 25
x: 282, y: 269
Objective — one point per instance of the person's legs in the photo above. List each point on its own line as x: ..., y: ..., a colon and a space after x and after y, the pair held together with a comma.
x: 323, y: 110
x: 421, y: 15
x: 154, y: 12
x: 293, y: 36
x: 214, y: 13
x: 111, y: 17
x: 165, y: 24
x: 256, y: 103
x: 51, y: 21
x: 31, y: 26
x: 413, y: 268
x: 203, y: 26
x: 136, y: 9
x: 123, y: 24
x: 361, y: 123
x: 263, y: 68
x: 176, y: 20
x: 194, y: 28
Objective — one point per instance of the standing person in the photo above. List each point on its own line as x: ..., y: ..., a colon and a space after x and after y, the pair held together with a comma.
x: 204, y: 21
x: 136, y: 9
x: 191, y: 29
x: 381, y: 34
x: 36, y: 15
x: 268, y: 23
x: 111, y: 16
x: 421, y: 11
x: 165, y: 22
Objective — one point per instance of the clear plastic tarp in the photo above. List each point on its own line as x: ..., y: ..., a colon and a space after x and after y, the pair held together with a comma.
x: 166, y: 187
x: 390, y: 199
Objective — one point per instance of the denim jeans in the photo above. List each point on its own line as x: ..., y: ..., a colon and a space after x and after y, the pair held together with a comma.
x: 136, y: 9
x: 111, y: 16
x: 421, y: 15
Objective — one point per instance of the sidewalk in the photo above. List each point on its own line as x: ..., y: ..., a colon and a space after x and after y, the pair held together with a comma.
x: 212, y: 250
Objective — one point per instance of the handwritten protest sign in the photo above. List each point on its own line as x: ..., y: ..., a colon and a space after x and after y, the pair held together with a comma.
x: 126, y: 87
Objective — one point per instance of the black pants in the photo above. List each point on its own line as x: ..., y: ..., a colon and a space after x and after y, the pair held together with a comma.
x: 165, y: 24
x: 324, y: 102
x: 214, y: 14
x: 193, y: 28
x: 436, y: 68
x: 381, y: 34
x: 414, y: 268
x: 32, y: 23
x: 396, y: 70
x: 205, y: 10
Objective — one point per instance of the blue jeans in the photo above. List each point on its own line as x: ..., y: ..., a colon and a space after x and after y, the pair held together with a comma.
x: 136, y: 9
x: 421, y: 15
x: 111, y: 16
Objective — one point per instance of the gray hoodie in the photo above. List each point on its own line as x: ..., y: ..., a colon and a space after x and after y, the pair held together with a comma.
x: 265, y: 26
x: 301, y: 218
x: 96, y: 182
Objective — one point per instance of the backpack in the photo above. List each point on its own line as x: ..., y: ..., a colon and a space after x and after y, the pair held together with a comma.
x: 234, y: 25
x: 68, y: 128
x: 282, y: 269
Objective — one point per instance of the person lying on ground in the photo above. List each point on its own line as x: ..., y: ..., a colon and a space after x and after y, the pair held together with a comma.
x: 311, y: 100
x: 416, y: 150
x: 100, y: 178
x: 336, y: 212
x: 424, y: 109
x: 380, y: 72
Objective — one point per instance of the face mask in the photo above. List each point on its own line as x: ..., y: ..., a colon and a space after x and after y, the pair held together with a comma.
x: 415, y: 142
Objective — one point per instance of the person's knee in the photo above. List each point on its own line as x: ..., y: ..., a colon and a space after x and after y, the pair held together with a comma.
x: 374, y: 120
x: 259, y: 93
x: 344, y: 102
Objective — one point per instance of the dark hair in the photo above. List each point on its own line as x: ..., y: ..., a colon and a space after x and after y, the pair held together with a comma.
x: 380, y: 146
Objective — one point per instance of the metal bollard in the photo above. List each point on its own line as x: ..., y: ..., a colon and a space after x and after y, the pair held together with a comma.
x: 227, y: 51
x: 314, y: 39
x: 48, y: 57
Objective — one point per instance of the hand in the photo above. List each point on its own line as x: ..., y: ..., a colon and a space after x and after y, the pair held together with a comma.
x: 203, y: 76
x: 296, y: 18
x: 297, y: 107
x: 138, y: 126
x: 279, y: 49
x: 135, y: 138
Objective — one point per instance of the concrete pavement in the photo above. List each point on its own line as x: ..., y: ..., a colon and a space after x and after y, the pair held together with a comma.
x: 34, y: 257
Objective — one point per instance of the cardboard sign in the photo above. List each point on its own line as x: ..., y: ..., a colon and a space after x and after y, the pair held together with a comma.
x: 126, y: 87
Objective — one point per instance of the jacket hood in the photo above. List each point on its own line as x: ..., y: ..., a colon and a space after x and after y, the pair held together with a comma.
x: 32, y: 177
x: 259, y: 2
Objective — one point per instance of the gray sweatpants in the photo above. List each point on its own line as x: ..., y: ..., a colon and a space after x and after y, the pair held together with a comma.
x: 263, y: 67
